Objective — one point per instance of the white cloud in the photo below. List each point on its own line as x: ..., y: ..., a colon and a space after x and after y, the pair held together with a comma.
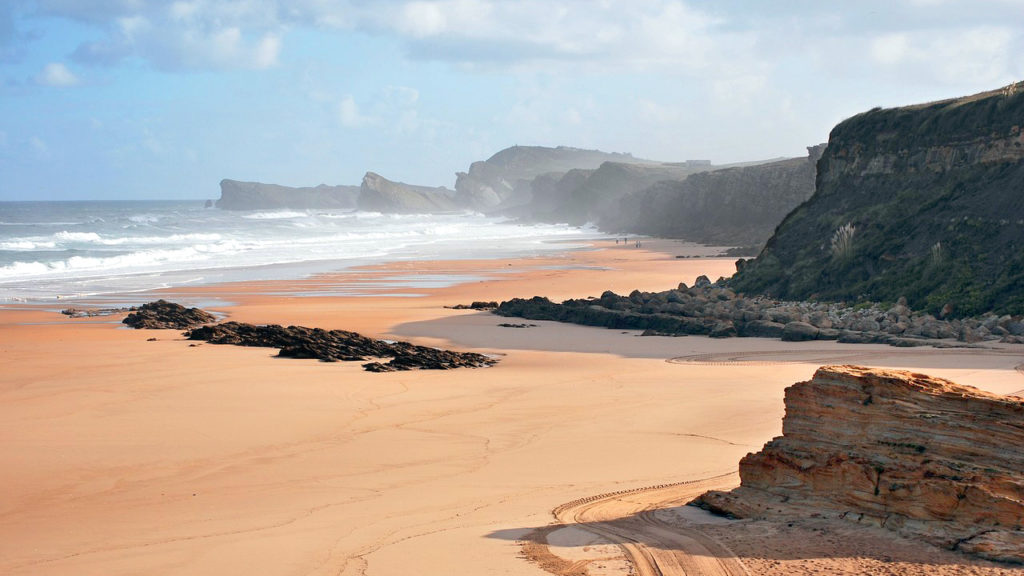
x: 979, y: 55
x: 56, y: 74
x: 349, y: 115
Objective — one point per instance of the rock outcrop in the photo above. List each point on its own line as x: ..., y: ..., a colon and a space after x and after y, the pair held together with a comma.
x: 338, y: 345
x: 922, y: 201
x: 712, y: 309
x: 738, y: 206
x: 919, y: 455
x: 163, y: 315
x: 503, y: 181
x: 378, y: 194
x: 236, y: 195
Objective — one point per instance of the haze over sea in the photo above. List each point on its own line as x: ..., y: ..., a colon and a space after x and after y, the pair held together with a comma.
x: 68, y: 250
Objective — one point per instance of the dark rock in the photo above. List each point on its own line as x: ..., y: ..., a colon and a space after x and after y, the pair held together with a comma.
x: 477, y: 305
x: 92, y: 312
x: 763, y: 329
x: 799, y: 332
x: 702, y: 281
x: 337, y: 345
x: 162, y: 315
x: 724, y: 329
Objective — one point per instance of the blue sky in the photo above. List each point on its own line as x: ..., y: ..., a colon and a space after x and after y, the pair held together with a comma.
x: 123, y: 99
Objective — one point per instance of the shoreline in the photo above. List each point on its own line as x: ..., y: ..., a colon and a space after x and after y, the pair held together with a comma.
x: 126, y: 455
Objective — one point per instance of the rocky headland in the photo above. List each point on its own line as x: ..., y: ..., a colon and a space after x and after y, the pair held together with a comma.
x: 237, y: 195
x: 922, y: 202
x: 378, y: 194
x: 504, y: 180
x: 716, y: 310
x: 919, y: 455
x: 738, y: 206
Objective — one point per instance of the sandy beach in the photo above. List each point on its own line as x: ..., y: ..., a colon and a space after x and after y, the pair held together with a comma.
x: 138, y: 452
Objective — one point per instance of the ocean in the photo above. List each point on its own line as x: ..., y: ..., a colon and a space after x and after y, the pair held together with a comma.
x: 53, y: 251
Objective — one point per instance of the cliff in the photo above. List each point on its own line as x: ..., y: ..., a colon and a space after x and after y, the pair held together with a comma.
x: 595, y: 196
x: 922, y: 202
x: 732, y: 207
x: 504, y: 180
x: 378, y: 194
x: 919, y: 455
x: 236, y: 195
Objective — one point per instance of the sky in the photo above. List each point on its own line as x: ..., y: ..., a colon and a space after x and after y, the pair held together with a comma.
x: 142, y: 99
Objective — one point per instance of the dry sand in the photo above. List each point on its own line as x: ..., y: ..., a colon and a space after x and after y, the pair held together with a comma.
x: 122, y: 455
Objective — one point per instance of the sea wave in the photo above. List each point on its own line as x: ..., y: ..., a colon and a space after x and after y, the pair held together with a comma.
x: 27, y: 245
x: 275, y: 215
x: 97, y: 239
x: 141, y: 260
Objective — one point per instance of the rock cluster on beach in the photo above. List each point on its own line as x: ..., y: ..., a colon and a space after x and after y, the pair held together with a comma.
x: 337, y: 345
x: 712, y: 309
x: 920, y: 455
x: 163, y: 315
x: 302, y: 342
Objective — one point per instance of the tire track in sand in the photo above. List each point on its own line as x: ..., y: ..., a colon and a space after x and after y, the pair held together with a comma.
x: 628, y: 519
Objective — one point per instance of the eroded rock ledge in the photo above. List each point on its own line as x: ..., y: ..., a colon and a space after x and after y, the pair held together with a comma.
x: 920, y: 455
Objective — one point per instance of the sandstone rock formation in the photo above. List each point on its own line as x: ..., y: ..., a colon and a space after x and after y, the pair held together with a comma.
x: 236, y: 195
x: 162, y: 315
x: 922, y: 201
x: 378, y: 194
x: 919, y: 455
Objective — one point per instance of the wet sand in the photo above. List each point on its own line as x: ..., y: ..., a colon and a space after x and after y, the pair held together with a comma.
x: 123, y: 455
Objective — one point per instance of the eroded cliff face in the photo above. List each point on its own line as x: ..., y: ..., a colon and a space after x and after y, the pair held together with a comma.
x: 378, y: 194
x: 503, y: 181
x: 732, y: 207
x: 923, y: 202
x: 237, y: 195
x: 919, y: 455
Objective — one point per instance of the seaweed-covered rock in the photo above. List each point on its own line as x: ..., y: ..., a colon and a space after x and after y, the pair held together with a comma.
x: 338, y: 345
x: 162, y: 315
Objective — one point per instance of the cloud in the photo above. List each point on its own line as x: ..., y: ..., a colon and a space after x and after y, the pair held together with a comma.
x: 981, y: 55
x: 349, y: 115
x: 56, y: 74
x: 677, y: 37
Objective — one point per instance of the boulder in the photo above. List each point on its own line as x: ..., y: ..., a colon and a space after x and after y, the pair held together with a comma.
x: 799, y: 332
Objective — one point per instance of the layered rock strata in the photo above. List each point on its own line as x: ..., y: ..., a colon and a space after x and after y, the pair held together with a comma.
x: 712, y: 309
x: 919, y: 455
